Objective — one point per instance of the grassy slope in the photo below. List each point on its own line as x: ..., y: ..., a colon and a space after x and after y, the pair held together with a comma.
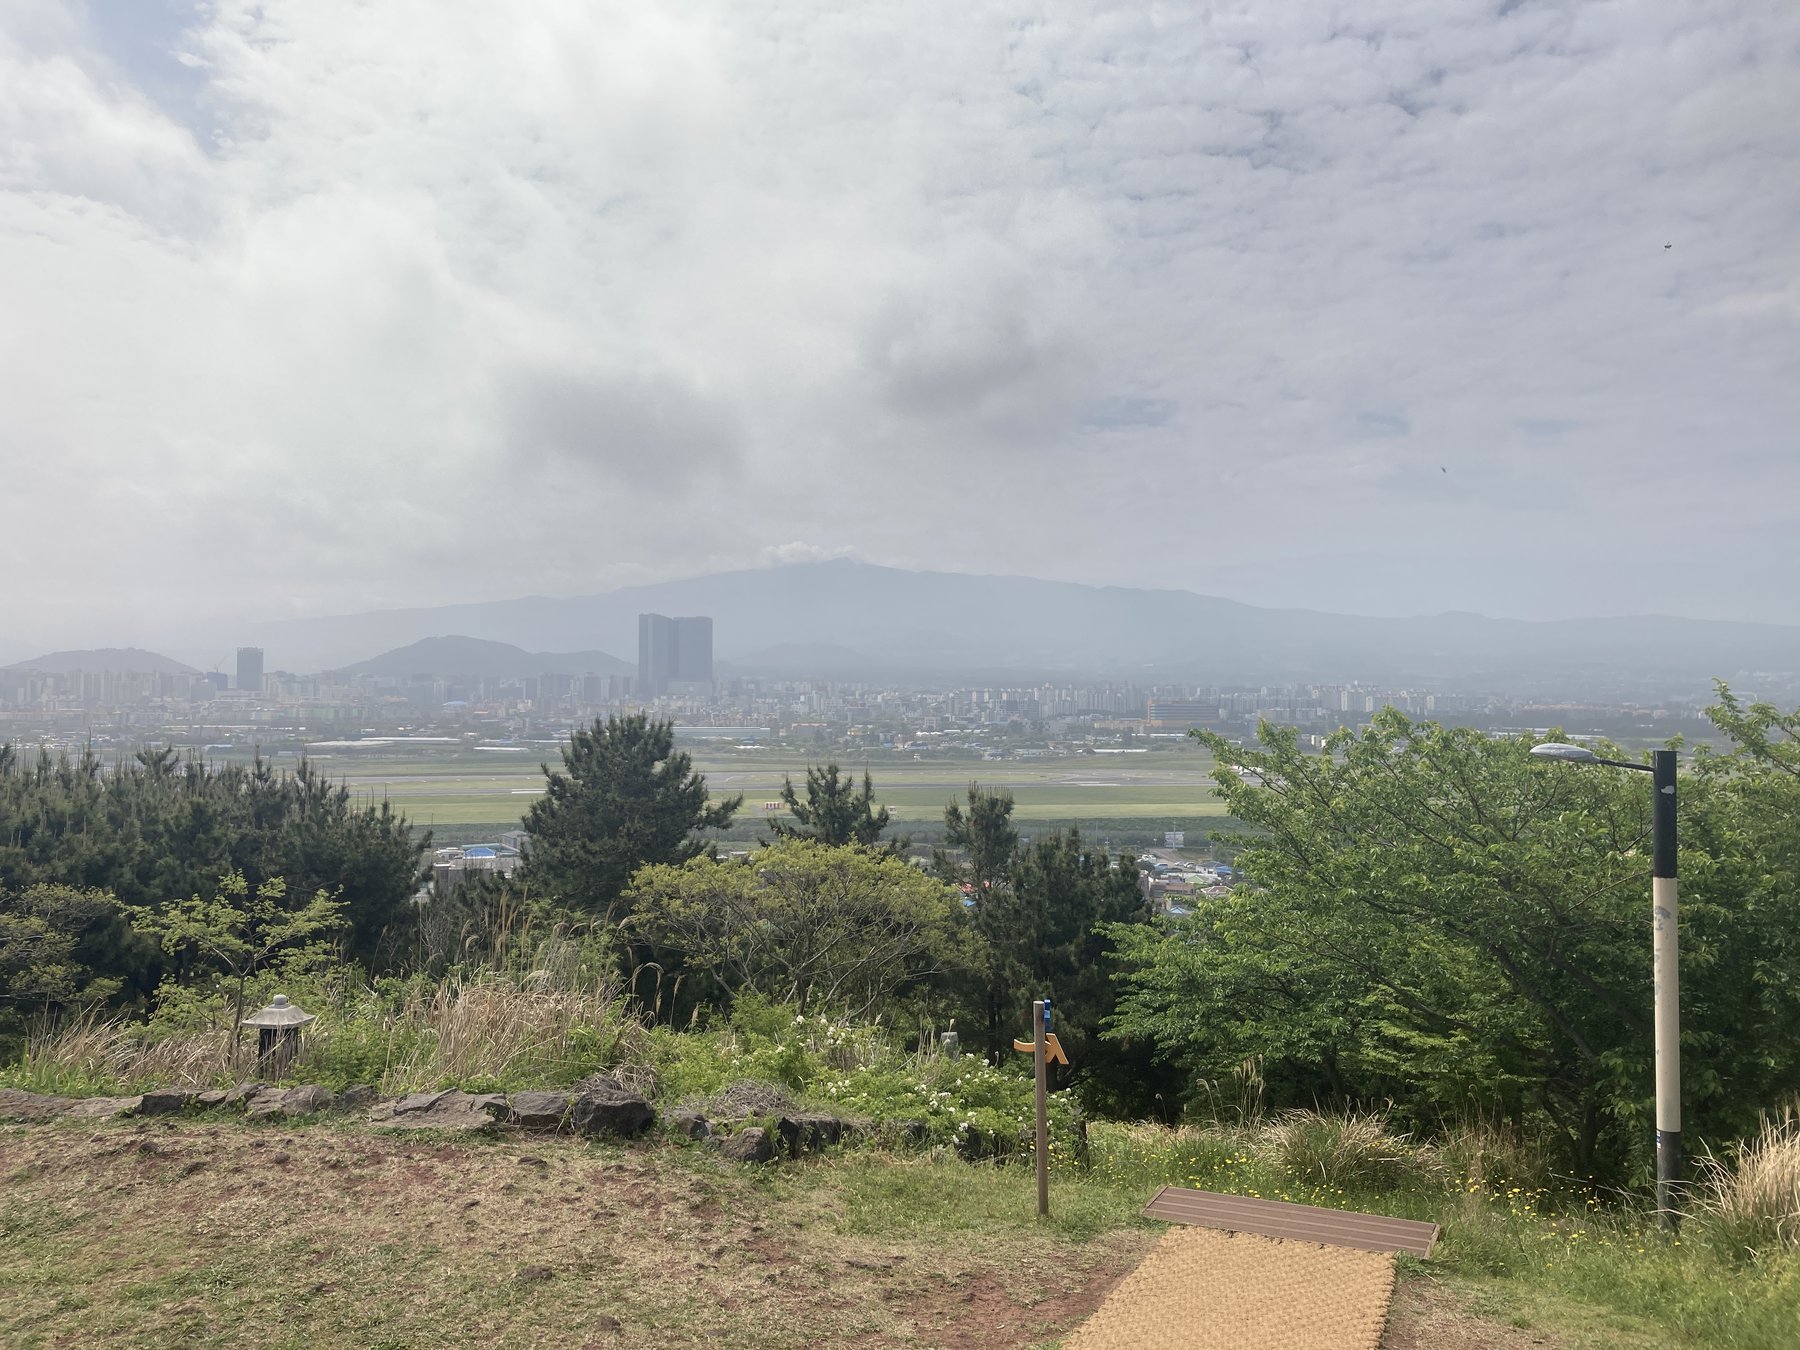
x: 214, y: 1234
x: 203, y: 1233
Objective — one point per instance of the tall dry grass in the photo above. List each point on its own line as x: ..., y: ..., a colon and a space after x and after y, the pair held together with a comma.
x: 92, y: 1054
x: 1488, y: 1154
x: 1354, y: 1151
x: 491, y: 1031
x: 509, y: 1033
x: 1748, y: 1203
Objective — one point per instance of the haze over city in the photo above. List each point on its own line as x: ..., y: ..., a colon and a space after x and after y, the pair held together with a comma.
x: 701, y: 673
x: 318, y: 308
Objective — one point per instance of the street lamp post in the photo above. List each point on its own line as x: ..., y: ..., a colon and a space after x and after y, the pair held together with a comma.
x: 1665, y: 958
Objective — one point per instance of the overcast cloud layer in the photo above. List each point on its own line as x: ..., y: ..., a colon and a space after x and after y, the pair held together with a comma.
x: 315, y: 305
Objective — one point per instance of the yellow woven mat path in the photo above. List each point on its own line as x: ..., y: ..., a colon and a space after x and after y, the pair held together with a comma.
x: 1200, y: 1289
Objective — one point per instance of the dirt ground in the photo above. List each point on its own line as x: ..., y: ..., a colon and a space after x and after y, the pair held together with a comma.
x: 1427, y: 1316
x: 197, y: 1233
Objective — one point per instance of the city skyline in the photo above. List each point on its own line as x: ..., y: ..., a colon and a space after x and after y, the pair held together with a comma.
x: 847, y: 620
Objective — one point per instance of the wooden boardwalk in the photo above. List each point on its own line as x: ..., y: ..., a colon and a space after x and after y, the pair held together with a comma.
x: 1278, y: 1219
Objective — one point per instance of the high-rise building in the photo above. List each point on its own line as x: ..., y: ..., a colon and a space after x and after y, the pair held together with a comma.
x: 693, y: 651
x: 656, y: 654
x: 250, y: 669
x: 673, y: 652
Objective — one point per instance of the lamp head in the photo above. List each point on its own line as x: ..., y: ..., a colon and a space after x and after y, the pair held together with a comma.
x: 1571, y: 754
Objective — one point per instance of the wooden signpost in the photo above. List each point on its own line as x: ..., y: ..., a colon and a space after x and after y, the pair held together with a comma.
x: 1044, y: 1048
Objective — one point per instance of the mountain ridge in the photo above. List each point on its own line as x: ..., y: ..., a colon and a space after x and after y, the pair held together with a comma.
x: 102, y: 660
x: 456, y: 654
x: 932, y: 624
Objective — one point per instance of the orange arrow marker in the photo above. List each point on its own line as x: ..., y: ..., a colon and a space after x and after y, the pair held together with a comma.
x: 1053, y: 1051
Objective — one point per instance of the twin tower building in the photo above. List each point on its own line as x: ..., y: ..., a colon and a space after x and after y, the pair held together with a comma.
x: 675, y: 656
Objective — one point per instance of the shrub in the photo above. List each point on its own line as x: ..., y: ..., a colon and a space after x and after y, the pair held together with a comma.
x: 859, y: 1071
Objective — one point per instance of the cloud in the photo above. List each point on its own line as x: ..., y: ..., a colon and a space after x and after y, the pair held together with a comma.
x: 1382, y: 424
x: 1124, y: 410
x: 314, y: 306
x: 649, y: 429
x: 798, y: 551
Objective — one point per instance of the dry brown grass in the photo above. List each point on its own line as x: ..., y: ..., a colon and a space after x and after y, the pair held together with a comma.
x: 198, y: 1233
x: 90, y: 1053
x: 1489, y: 1154
x: 1355, y: 1151
x: 1749, y: 1203
x: 501, y: 1031
x: 491, y: 1030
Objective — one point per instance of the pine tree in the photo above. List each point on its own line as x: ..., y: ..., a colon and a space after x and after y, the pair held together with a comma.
x: 988, y: 843
x: 835, y: 811
x: 1035, y: 910
x: 624, y: 798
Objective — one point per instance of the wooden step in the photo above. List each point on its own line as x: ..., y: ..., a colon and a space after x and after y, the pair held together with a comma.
x: 1303, y: 1223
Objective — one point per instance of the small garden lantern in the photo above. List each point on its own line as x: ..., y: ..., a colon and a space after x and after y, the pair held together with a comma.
x: 277, y: 1035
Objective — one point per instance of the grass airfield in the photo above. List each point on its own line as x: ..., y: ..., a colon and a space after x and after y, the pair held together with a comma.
x: 461, y: 790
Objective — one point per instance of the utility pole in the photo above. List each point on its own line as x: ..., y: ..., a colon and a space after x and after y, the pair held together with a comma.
x: 1040, y: 1018
x: 1665, y: 959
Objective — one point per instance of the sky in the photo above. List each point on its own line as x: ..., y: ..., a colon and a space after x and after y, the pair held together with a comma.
x: 1387, y: 307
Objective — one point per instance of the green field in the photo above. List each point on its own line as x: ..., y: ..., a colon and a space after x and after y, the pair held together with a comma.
x: 460, y: 790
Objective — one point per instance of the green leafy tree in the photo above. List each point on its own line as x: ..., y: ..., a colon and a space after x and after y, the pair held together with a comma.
x: 1433, y: 916
x: 242, y: 930
x: 624, y: 798
x: 835, y: 811
x: 800, y: 922
x: 1740, y: 905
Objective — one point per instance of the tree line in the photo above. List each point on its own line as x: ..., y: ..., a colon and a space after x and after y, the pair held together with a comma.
x: 158, y: 874
x: 93, y: 856
x: 830, y: 912
x: 1429, y: 917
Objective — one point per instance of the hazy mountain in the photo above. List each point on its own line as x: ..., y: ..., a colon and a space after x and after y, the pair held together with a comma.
x: 99, y: 660
x: 483, y: 658
x: 920, y: 623
x: 808, y: 660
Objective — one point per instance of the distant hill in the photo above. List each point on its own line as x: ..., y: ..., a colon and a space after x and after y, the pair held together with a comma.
x: 102, y: 660
x: 483, y: 658
x: 935, y: 623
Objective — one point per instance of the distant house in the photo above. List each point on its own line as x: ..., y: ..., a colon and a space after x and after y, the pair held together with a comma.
x: 450, y: 867
x: 1166, y: 896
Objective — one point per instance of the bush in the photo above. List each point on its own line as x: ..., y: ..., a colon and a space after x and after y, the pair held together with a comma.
x: 859, y: 1071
